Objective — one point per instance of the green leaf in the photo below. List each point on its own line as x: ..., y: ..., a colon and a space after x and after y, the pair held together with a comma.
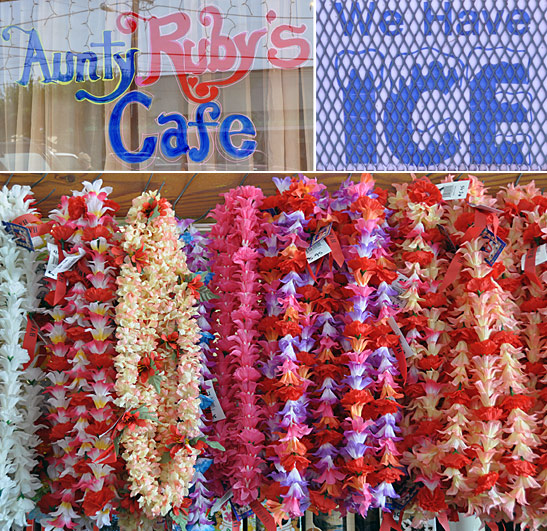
x: 165, y: 457
x: 205, y: 294
x: 179, y: 519
x: 117, y: 444
x: 155, y: 213
x: 145, y: 414
x: 216, y: 445
x: 155, y: 381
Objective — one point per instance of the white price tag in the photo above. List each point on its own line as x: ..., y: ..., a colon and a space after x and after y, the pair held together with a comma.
x: 221, y: 501
x: 454, y: 190
x: 404, y: 343
x: 541, y: 256
x: 396, y: 285
x: 317, y: 250
x: 216, y: 408
x: 69, y: 261
x: 52, y: 262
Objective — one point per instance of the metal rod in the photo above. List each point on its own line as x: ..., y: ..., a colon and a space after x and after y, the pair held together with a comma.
x: 9, y: 179
x: 44, y: 198
x: 517, y: 180
x: 147, y: 183
x: 203, y: 216
x: 39, y: 180
x: 184, y: 190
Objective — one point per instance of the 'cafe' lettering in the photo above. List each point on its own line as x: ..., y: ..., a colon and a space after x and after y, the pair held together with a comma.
x: 218, y: 53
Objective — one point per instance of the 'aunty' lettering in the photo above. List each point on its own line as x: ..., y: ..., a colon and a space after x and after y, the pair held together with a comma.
x: 168, y: 36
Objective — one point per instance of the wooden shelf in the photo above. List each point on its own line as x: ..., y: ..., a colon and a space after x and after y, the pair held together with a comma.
x: 204, y: 191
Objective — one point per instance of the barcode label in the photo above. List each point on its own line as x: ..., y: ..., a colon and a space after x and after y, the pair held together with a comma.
x: 317, y: 250
x: 52, y: 262
x: 319, y: 246
x: 216, y: 408
x: 404, y: 343
x: 455, y: 190
x: 397, y: 301
x: 69, y: 261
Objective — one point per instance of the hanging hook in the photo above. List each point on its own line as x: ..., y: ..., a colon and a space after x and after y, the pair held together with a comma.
x: 203, y: 216
x: 39, y: 180
x: 243, y: 180
x: 184, y: 190
x: 517, y: 180
x: 161, y: 186
x: 147, y: 183
x: 44, y: 198
x: 458, y: 177
x: 9, y: 179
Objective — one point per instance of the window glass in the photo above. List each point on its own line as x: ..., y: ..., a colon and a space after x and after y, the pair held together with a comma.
x: 156, y: 85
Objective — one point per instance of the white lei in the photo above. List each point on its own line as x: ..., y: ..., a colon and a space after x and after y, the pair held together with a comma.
x: 20, y: 398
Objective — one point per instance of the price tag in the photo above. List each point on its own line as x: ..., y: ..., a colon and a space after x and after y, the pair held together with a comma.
x: 20, y: 234
x: 318, y: 245
x: 216, y: 408
x: 263, y: 515
x: 493, y: 246
x: 52, y: 262
x: 69, y: 261
x: 396, y: 285
x: 404, y: 343
x: 541, y: 256
x: 221, y: 501
x: 454, y: 190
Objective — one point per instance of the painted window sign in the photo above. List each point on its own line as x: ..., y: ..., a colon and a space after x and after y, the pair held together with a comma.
x: 203, y: 51
x: 443, y: 84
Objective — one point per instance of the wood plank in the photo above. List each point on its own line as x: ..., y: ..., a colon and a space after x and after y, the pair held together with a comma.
x: 205, y: 190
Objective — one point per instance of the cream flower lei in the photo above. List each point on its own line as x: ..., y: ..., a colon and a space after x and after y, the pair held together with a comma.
x: 20, y: 397
x: 155, y: 299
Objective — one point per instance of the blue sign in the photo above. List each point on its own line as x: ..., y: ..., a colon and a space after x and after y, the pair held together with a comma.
x: 431, y: 84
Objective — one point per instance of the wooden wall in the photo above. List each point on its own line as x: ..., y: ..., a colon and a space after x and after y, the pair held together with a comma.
x: 204, y: 190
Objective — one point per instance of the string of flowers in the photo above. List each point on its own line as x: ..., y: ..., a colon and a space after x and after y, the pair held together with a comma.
x: 20, y: 399
x: 495, y: 393
x: 80, y: 401
x: 370, y: 392
x: 301, y: 204
x: 419, y: 255
x: 524, y: 211
x: 329, y: 301
x: 239, y: 225
x: 157, y: 361
x: 196, y: 249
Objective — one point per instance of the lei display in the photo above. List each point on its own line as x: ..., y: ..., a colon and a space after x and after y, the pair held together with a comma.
x: 491, y: 435
x: 373, y: 386
x: 158, y: 360
x: 83, y: 483
x: 524, y: 216
x: 20, y: 377
x: 196, y: 249
x: 335, y: 352
x: 301, y: 204
x: 235, y: 352
x: 421, y: 258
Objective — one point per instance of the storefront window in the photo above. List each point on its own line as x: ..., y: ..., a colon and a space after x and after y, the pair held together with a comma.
x: 168, y: 85
x: 431, y: 84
